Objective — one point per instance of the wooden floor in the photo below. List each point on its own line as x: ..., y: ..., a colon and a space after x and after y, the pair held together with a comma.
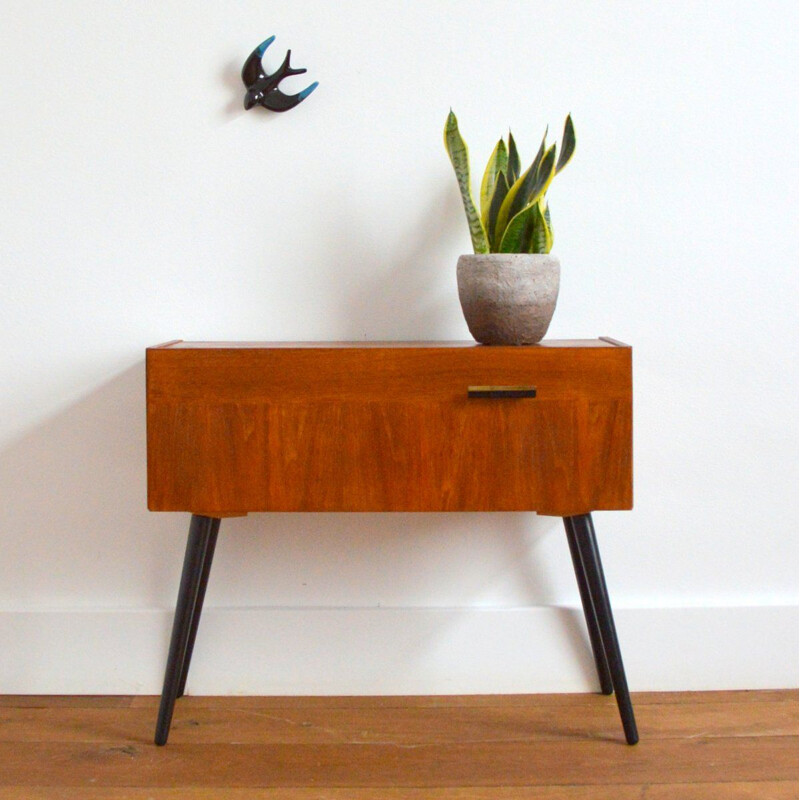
x: 694, y: 746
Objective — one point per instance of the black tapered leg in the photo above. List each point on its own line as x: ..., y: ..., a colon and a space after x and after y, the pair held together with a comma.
x: 590, y: 557
x: 199, y: 535
x: 208, y: 557
x: 603, y: 673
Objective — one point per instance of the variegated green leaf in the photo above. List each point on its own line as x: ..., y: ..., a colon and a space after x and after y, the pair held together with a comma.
x: 513, y: 161
x: 549, y: 227
x: 527, y: 189
x: 524, y: 195
x: 544, y: 175
x: 459, y: 157
x: 500, y: 192
x: 539, y: 155
x: 498, y: 163
x: 518, y: 236
x: 529, y: 231
x: 567, y: 144
x: 542, y: 239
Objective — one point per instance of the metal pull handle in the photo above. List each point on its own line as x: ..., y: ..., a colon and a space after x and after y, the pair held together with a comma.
x: 474, y: 392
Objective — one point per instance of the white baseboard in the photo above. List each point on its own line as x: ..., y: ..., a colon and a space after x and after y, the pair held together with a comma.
x: 348, y: 651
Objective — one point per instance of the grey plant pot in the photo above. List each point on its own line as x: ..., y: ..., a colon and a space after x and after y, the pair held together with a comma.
x: 508, y: 298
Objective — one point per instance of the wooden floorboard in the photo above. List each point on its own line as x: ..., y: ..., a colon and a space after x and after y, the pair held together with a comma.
x: 348, y: 765
x: 401, y: 726
x: 65, y: 701
x: 694, y: 746
x: 758, y: 790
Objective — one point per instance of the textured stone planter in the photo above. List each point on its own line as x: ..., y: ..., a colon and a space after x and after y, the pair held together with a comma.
x: 508, y: 298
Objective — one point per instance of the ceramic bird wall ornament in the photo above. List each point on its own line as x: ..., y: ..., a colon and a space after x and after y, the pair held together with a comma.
x: 262, y: 89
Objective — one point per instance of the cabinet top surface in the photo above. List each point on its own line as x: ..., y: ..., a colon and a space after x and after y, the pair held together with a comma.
x: 547, y: 343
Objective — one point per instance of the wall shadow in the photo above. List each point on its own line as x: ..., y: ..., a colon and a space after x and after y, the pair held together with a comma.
x: 73, y: 524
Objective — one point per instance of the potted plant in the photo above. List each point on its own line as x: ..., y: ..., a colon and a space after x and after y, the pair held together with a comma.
x: 508, y: 288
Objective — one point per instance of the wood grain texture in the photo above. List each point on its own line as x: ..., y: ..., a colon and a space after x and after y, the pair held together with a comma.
x: 387, y: 765
x: 388, y: 428
x: 66, y: 701
x: 447, y: 724
x: 754, y: 790
x: 696, y: 746
x: 602, y: 341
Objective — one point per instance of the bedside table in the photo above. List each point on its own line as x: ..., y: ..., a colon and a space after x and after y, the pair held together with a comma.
x: 240, y: 427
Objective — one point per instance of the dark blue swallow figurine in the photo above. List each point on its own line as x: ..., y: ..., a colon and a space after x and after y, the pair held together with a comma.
x: 262, y: 89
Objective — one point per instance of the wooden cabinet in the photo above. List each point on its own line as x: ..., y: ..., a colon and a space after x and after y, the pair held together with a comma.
x: 388, y: 427
x: 234, y: 428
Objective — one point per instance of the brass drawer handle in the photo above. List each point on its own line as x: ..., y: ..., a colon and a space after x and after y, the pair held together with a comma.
x: 500, y: 391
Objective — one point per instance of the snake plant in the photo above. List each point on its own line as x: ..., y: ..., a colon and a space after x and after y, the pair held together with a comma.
x: 514, y: 216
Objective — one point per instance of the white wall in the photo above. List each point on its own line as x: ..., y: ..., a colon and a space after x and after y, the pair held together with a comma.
x: 141, y: 204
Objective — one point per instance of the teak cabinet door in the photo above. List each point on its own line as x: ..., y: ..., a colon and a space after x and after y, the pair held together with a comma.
x: 234, y: 430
